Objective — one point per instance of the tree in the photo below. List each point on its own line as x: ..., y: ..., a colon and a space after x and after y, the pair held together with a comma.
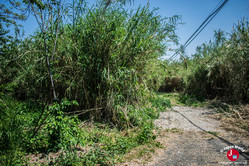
x: 48, y: 17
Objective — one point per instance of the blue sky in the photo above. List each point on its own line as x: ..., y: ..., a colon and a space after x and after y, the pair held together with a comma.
x: 193, y: 13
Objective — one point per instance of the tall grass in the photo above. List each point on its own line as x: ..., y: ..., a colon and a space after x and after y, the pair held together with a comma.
x: 102, y: 60
x: 219, y: 69
x: 107, y: 60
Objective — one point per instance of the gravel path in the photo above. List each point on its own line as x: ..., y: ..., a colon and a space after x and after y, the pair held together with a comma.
x: 201, y: 139
x: 188, y: 119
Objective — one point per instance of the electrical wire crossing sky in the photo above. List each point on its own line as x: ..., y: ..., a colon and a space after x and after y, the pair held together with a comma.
x: 201, y: 27
x: 194, y: 13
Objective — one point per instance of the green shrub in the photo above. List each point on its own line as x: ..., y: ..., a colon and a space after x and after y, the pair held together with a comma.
x: 145, y: 135
x: 160, y: 103
x: 63, y: 131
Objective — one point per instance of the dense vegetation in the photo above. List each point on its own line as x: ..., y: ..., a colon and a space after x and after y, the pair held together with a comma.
x: 218, y: 69
x: 98, y: 64
x: 82, y: 87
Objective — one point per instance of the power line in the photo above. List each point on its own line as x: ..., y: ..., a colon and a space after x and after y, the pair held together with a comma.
x: 204, y: 26
x: 215, y: 12
x: 215, y: 7
x: 201, y: 27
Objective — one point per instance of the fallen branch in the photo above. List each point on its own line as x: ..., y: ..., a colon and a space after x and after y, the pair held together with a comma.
x: 4, y: 104
x: 80, y: 112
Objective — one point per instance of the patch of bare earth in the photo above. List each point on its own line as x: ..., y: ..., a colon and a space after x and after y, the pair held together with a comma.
x: 51, y: 157
x: 191, y: 136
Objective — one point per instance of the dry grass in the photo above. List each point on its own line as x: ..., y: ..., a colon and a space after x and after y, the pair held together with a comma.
x: 234, y: 118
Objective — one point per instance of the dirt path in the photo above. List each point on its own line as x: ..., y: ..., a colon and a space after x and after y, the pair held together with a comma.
x: 200, y: 141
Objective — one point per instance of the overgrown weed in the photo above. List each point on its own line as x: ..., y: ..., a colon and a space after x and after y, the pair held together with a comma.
x: 185, y: 99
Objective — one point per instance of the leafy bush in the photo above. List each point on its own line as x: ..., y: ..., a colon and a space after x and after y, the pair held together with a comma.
x: 160, y: 103
x: 145, y: 135
x: 63, y: 131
